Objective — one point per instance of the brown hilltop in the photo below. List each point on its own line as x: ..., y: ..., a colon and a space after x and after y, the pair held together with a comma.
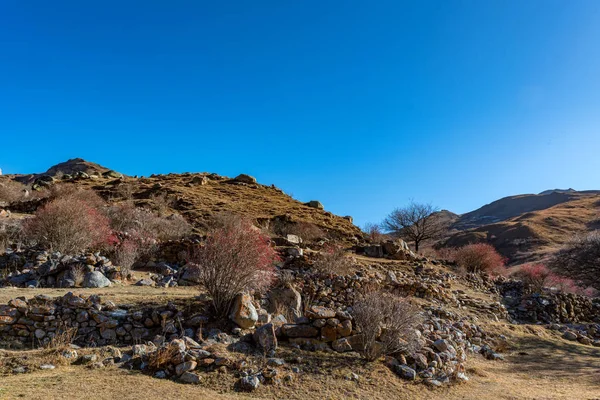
x: 199, y: 197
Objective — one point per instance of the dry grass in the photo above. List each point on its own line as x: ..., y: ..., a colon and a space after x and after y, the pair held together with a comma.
x: 539, y: 367
x: 534, y: 235
x: 200, y: 203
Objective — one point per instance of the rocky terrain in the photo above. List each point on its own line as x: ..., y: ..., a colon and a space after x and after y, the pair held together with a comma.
x: 75, y: 324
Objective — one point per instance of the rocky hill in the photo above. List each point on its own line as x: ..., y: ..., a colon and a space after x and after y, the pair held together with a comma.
x: 199, y: 197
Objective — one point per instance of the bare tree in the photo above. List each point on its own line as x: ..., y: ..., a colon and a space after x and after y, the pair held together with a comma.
x: 580, y: 260
x: 416, y: 222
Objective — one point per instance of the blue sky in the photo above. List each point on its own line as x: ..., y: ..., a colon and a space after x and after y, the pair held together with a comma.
x: 362, y: 105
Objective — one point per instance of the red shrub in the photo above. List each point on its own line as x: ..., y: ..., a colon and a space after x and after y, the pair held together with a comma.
x: 534, y: 276
x: 68, y: 225
x: 480, y: 257
x: 235, y: 258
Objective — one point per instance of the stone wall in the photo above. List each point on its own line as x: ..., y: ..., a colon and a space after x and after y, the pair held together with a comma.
x: 36, y: 321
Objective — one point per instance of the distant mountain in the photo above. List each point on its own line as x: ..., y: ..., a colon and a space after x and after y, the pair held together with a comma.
x: 528, y: 227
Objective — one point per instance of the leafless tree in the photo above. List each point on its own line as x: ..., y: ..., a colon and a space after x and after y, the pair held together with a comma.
x: 416, y: 222
x: 580, y: 260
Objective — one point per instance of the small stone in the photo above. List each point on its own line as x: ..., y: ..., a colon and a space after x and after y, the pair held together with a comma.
x: 249, y: 383
x: 405, y: 372
x: 47, y: 366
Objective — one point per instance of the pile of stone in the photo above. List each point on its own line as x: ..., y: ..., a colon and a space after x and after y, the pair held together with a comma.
x: 587, y: 334
x: 553, y: 308
x: 36, y: 321
x: 185, y: 359
x: 31, y: 269
x: 392, y: 249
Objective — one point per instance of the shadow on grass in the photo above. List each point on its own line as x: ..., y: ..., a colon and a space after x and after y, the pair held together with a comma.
x: 555, y: 357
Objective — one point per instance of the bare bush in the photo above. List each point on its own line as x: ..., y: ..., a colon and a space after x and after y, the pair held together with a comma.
x: 75, y: 193
x: 235, y: 258
x: 374, y: 233
x: 161, y: 203
x: 63, y: 338
x: 11, y: 234
x: 387, y: 325
x: 333, y: 260
x: 145, y: 224
x: 68, y: 225
x: 580, y: 260
x: 78, y: 274
x: 11, y: 191
x: 125, y: 255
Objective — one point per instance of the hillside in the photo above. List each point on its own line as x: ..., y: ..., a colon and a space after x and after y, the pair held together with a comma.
x: 530, y: 234
x: 199, y: 197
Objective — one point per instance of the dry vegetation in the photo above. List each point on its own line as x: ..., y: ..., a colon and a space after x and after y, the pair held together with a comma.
x: 534, y: 235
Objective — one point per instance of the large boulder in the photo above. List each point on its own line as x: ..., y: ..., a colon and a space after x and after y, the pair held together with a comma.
x: 243, y: 312
x: 245, y: 179
x: 95, y: 279
x: 285, y: 298
x: 315, y: 204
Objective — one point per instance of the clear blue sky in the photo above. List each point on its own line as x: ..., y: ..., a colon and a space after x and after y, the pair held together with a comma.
x: 360, y: 104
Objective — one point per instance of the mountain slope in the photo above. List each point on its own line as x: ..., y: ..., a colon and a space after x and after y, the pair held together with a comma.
x: 532, y: 235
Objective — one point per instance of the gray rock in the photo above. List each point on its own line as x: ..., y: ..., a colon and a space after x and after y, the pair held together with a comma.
x: 405, y: 372
x: 95, y: 279
x: 249, y: 383
x: 315, y: 204
x: 245, y: 179
x: 190, y: 377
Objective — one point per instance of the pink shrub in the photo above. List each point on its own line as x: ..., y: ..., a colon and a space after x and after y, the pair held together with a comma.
x: 69, y: 225
x: 235, y: 258
x: 480, y: 257
x: 535, y: 276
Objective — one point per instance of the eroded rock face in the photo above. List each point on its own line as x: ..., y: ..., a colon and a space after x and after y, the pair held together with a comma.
x: 243, y: 312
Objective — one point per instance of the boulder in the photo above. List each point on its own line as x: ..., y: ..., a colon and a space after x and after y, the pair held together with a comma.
x: 243, y: 312
x: 405, y: 372
x: 249, y: 383
x: 245, y: 179
x: 315, y: 204
x: 190, y: 377
x: 286, y: 298
x: 318, y: 312
x: 185, y: 367
x: 95, y: 279
x: 266, y: 340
